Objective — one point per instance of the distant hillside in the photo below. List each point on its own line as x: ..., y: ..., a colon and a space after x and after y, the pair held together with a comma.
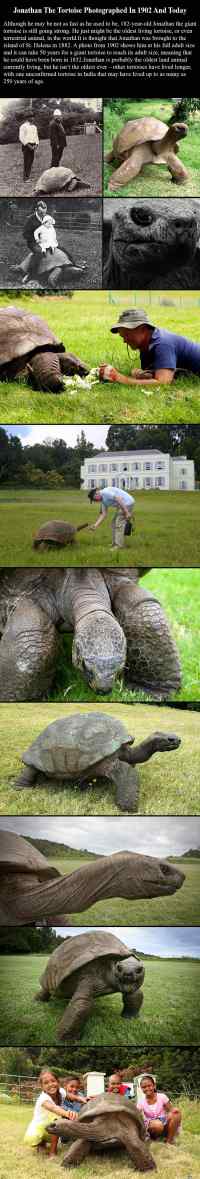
x: 55, y: 851
x: 193, y: 853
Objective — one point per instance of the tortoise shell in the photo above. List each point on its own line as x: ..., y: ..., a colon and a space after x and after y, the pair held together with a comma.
x: 17, y: 855
x: 72, y: 744
x: 54, y: 178
x: 76, y: 952
x: 137, y: 131
x: 58, y: 531
x: 21, y: 334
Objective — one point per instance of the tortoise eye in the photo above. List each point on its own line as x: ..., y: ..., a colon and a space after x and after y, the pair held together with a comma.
x: 141, y: 216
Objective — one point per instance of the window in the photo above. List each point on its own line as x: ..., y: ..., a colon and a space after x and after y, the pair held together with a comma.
x: 135, y: 466
x: 160, y: 466
x: 147, y: 466
x: 92, y: 467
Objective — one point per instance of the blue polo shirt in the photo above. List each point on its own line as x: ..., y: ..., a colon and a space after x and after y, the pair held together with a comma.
x: 167, y: 350
x: 108, y: 497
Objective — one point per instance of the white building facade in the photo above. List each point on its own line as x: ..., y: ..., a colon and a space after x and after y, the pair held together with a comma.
x: 142, y: 470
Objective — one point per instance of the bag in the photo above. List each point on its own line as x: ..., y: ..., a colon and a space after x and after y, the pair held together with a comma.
x: 128, y: 528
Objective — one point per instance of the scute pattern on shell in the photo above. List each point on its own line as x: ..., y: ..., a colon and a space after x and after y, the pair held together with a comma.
x: 22, y: 333
x: 137, y: 131
x: 76, y: 952
x: 73, y: 744
x: 16, y: 854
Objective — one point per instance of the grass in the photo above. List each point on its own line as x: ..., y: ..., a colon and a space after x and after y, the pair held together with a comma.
x: 169, y: 783
x: 167, y: 529
x: 181, y: 1162
x: 169, y: 1015
x: 174, y: 588
x: 153, y: 181
x: 180, y: 909
x: 80, y: 245
x: 82, y: 154
x: 83, y: 325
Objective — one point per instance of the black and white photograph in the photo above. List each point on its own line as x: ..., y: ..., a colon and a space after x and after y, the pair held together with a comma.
x: 50, y: 145
x: 151, y: 244
x: 50, y: 245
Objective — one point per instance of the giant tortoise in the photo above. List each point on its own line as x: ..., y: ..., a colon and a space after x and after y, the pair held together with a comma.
x: 59, y: 179
x: 118, y: 626
x: 89, y: 965
x: 151, y: 244
x: 105, y: 1122
x: 89, y: 746
x: 56, y: 534
x: 29, y: 347
x: 146, y: 141
x: 31, y: 890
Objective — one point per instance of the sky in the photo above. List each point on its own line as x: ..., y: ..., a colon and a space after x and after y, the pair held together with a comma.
x: 150, y: 836
x: 30, y: 435
x: 166, y: 941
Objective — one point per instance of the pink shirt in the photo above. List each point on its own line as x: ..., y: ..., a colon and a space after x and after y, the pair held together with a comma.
x: 157, y: 1109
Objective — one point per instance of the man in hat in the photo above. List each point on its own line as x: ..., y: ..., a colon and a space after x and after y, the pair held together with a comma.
x: 163, y: 354
x: 113, y: 497
x: 57, y: 137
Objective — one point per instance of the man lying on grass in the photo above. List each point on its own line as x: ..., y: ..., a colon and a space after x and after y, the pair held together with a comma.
x: 164, y: 355
x: 113, y: 497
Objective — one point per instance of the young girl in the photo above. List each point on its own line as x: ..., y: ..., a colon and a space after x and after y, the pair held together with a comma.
x: 45, y: 235
x: 160, y: 1117
x: 48, y: 1104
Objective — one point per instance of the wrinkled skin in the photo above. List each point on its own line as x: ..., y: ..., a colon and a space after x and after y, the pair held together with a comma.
x: 34, y: 894
x: 97, y: 967
x: 106, y: 1121
x: 29, y: 348
x: 152, y: 243
x: 68, y: 751
x: 146, y: 141
x: 118, y: 627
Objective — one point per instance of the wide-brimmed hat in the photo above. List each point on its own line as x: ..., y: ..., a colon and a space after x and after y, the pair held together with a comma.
x: 132, y: 319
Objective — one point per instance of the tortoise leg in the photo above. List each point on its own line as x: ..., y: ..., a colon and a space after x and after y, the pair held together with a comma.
x: 26, y: 778
x: 130, y: 167
x: 126, y: 781
x: 78, y: 1009
x: 46, y: 371
x: 76, y: 1153
x: 178, y: 172
x: 137, y: 1149
x: 152, y: 656
x: 28, y: 650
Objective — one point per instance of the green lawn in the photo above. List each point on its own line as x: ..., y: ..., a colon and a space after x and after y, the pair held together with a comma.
x: 169, y: 1015
x: 169, y: 783
x: 154, y: 180
x: 83, y: 325
x: 181, y: 1162
x: 174, y: 588
x: 180, y: 909
x: 167, y: 529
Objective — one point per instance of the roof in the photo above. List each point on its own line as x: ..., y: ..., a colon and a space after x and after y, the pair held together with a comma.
x: 114, y: 454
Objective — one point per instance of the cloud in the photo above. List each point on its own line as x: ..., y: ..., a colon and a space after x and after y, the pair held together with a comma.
x: 166, y: 942
x: 31, y: 435
x: 161, y: 836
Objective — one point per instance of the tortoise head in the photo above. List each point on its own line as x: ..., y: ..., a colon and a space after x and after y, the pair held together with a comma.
x: 129, y: 974
x: 99, y: 650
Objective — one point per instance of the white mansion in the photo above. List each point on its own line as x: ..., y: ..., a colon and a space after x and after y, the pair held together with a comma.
x: 140, y: 469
